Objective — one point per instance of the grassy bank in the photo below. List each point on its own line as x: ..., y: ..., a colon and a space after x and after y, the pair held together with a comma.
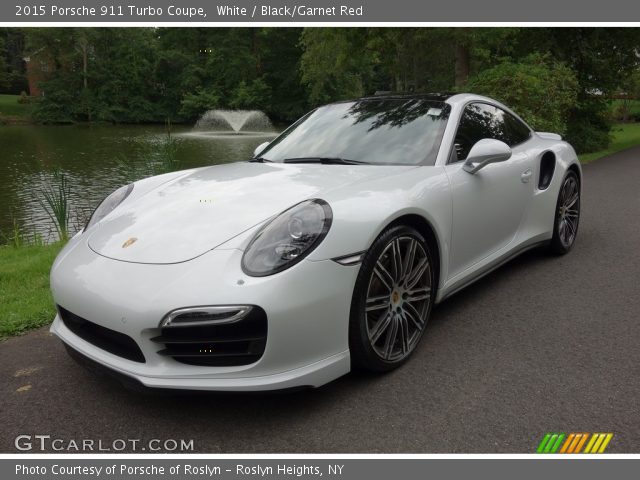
x: 634, y: 106
x: 624, y: 136
x: 25, y: 300
x: 13, y: 112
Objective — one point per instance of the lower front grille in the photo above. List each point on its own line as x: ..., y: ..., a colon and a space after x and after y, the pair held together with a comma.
x: 226, y: 344
x: 109, y: 340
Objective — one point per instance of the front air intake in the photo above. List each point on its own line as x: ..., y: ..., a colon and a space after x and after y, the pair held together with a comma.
x: 209, y: 336
x: 116, y: 343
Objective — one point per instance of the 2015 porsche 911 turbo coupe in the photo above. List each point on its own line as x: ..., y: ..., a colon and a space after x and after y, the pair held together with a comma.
x: 325, y: 251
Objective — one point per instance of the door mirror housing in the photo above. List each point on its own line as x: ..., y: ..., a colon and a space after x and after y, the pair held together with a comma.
x: 260, y: 148
x: 484, y: 152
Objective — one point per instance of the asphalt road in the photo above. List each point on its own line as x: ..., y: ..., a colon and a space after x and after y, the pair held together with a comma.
x: 542, y: 344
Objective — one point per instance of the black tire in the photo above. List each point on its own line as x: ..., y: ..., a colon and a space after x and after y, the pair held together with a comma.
x: 404, y: 301
x: 566, y: 215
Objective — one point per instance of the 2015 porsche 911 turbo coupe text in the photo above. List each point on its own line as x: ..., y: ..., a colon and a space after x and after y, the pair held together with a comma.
x: 325, y: 251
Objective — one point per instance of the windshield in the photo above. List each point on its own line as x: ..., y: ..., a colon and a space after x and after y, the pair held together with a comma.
x: 396, y: 131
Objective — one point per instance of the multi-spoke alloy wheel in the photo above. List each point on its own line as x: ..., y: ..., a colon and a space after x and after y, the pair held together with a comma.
x: 392, y: 300
x: 567, y: 214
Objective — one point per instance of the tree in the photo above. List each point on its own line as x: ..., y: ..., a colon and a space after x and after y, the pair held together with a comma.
x: 12, y: 75
x: 348, y: 62
x: 474, y: 49
x: 4, y: 73
x: 121, y: 83
x: 97, y: 74
x: 629, y: 92
x: 280, y: 53
x: 83, y: 45
x: 56, y: 45
x: 336, y: 63
x: 541, y: 90
x: 150, y: 75
x: 600, y: 58
x: 410, y: 59
x: 201, y: 69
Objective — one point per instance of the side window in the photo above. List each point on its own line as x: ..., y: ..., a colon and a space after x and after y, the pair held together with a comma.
x: 476, y: 123
x: 516, y: 131
x: 481, y: 120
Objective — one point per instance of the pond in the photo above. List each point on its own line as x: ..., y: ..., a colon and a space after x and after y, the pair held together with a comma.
x: 95, y: 160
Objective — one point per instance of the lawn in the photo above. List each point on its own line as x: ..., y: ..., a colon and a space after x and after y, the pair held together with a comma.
x: 624, y: 136
x: 25, y: 300
x: 9, y: 107
x: 634, y: 106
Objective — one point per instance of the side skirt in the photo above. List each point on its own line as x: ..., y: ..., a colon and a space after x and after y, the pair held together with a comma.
x: 490, y: 268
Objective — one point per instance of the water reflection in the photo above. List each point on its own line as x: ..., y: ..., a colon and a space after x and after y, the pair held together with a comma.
x: 95, y: 160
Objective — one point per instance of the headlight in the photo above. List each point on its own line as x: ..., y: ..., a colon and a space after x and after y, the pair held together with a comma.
x: 287, y: 239
x: 109, y: 204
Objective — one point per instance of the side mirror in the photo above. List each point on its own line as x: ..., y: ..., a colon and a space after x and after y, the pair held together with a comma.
x: 484, y: 152
x: 259, y: 149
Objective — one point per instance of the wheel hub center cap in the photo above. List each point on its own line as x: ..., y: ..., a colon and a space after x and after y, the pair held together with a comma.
x: 395, y: 297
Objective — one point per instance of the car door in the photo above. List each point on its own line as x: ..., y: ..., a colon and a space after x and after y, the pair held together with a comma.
x: 488, y: 206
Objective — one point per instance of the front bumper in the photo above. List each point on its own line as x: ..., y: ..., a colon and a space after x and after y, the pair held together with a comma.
x: 307, y: 310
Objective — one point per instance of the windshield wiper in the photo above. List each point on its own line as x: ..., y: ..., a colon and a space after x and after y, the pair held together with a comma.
x: 260, y: 160
x: 325, y: 161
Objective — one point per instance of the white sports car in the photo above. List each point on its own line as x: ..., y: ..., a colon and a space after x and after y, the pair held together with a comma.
x: 324, y: 252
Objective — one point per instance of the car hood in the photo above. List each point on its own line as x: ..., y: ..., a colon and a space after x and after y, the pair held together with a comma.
x: 186, y: 217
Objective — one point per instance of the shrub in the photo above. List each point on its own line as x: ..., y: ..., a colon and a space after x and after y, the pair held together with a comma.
x: 57, y: 106
x: 23, y: 99
x: 251, y: 95
x: 540, y: 90
x: 589, y: 125
x: 195, y: 104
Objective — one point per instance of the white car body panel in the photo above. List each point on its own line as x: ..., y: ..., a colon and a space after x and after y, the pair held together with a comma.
x: 132, y: 297
x: 192, y: 228
x: 188, y: 216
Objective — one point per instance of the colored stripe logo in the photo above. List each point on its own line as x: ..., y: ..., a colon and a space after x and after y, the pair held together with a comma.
x: 574, y: 443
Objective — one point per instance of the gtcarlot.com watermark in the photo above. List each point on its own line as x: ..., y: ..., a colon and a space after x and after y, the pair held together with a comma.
x: 47, y: 443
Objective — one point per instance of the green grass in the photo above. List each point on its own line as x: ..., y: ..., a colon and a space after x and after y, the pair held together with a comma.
x: 25, y: 299
x: 634, y: 107
x: 9, y: 107
x: 624, y: 136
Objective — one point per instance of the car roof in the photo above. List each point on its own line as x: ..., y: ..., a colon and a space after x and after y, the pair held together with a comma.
x: 448, y: 97
x: 433, y: 97
x: 451, y: 98
x: 437, y: 97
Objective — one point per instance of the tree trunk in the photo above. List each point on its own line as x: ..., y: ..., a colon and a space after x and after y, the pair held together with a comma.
x: 85, y: 66
x: 462, y: 64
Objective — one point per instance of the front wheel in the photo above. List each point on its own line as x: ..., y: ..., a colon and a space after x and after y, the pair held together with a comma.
x: 392, y: 300
x: 567, y: 215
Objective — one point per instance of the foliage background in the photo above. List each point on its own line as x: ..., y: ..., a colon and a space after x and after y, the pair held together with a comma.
x: 558, y: 79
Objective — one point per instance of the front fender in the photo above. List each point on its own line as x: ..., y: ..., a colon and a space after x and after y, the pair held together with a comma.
x: 361, y: 214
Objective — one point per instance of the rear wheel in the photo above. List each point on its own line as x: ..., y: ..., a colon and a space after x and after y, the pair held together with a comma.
x: 392, y: 300
x: 567, y: 215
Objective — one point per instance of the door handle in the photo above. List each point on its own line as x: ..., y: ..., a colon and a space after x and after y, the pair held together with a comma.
x: 526, y: 175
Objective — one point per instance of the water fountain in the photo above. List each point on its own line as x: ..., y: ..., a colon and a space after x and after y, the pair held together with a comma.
x: 236, y: 122
x: 231, y: 134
